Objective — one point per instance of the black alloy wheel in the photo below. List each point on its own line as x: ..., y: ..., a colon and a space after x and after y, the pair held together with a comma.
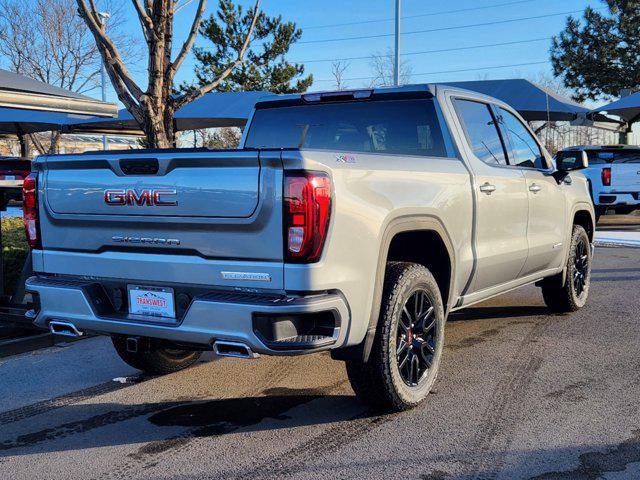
x: 581, y: 267
x: 416, y: 338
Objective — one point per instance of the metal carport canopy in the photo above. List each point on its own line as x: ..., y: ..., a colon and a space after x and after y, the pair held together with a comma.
x: 23, y: 93
x: 627, y: 108
x: 216, y: 109
x: 534, y: 102
x: 20, y: 121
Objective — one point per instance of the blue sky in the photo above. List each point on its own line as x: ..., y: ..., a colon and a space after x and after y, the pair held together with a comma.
x: 314, y: 16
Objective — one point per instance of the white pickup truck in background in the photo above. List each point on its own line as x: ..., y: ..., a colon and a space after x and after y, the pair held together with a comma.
x: 614, y: 176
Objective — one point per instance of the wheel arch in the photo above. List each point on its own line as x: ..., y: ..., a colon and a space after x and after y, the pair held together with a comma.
x: 398, y: 235
x: 582, y: 214
x: 584, y: 218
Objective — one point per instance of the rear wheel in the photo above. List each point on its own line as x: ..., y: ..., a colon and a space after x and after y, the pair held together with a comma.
x: 573, y: 294
x: 154, y: 359
x: 407, y: 347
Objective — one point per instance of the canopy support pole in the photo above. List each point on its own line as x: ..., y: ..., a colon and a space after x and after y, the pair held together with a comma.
x: 23, y: 138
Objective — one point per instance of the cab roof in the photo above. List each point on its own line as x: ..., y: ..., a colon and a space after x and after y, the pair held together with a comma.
x: 600, y: 147
x: 425, y: 90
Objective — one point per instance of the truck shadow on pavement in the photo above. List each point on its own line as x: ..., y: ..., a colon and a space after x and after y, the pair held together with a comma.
x: 198, y: 418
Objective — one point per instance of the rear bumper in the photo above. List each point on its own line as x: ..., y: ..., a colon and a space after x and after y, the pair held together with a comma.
x: 214, y: 316
x: 613, y: 198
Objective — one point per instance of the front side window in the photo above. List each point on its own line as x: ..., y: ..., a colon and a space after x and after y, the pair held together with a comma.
x: 525, y: 151
x: 404, y: 127
x: 481, y: 130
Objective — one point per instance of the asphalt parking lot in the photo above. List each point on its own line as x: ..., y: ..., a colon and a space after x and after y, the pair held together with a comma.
x: 522, y: 394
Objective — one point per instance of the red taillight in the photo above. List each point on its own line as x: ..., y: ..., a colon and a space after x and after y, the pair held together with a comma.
x: 30, y: 209
x: 606, y: 176
x: 307, y: 207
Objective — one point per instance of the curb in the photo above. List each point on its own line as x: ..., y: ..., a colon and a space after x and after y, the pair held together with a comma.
x: 16, y: 346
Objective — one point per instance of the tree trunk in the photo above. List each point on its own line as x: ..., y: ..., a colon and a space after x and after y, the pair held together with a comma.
x: 54, y: 146
x: 158, y: 125
x: 156, y: 134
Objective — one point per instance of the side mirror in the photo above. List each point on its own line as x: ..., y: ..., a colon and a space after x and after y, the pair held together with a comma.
x: 570, y: 161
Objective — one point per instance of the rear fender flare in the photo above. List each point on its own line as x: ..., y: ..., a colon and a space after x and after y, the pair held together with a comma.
x: 393, y: 228
x: 577, y: 207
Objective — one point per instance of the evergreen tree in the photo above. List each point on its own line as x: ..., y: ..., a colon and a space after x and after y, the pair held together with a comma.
x: 265, y: 68
x: 599, y: 56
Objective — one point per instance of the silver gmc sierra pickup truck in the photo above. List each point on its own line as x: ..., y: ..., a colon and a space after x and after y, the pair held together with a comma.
x: 347, y: 221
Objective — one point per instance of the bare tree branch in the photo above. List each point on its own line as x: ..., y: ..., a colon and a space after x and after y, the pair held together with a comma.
x: 145, y: 20
x: 35, y: 141
x: 191, y: 38
x: 338, y: 70
x: 382, y: 65
x: 109, y: 51
x: 50, y: 42
x: 180, y: 7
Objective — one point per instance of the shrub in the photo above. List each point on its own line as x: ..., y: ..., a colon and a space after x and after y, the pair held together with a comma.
x: 14, y: 250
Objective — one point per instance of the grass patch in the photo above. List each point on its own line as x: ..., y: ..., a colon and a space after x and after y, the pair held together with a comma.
x: 14, y: 250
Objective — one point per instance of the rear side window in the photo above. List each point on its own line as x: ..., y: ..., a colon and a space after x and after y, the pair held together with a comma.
x: 405, y: 127
x: 612, y: 156
x: 481, y: 131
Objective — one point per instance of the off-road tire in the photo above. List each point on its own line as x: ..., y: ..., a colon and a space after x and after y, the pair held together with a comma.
x: 564, y: 299
x: 156, y: 361
x: 378, y: 382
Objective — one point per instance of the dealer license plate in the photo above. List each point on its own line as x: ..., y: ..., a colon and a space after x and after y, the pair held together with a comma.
x: 151, y: 301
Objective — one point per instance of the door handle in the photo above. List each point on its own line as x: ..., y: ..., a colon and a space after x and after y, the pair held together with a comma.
x: 535, y: 188
x: 487, y: 188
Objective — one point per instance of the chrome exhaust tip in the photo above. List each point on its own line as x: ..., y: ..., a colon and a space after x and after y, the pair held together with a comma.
x: 65, y: 329
x: 223, y: 348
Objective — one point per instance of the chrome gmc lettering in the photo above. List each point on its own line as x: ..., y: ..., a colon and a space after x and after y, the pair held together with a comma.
x: 148, y: 197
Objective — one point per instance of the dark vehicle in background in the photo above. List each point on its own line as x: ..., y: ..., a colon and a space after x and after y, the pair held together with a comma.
x: 13, y: 171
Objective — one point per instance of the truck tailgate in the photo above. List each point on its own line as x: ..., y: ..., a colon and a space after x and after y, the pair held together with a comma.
x: 218, y: 185
x: 207, y: 212
x: 625, y: 176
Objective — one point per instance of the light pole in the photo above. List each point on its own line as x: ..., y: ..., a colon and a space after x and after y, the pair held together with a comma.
x: 396, y: 69
x: 103, y: 16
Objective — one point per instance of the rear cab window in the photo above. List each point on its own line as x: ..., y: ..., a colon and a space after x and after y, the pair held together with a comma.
x: 601, y: 157
x: 397, y: 127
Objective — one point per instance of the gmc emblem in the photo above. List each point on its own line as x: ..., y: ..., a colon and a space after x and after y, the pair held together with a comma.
x: 148, y: 197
